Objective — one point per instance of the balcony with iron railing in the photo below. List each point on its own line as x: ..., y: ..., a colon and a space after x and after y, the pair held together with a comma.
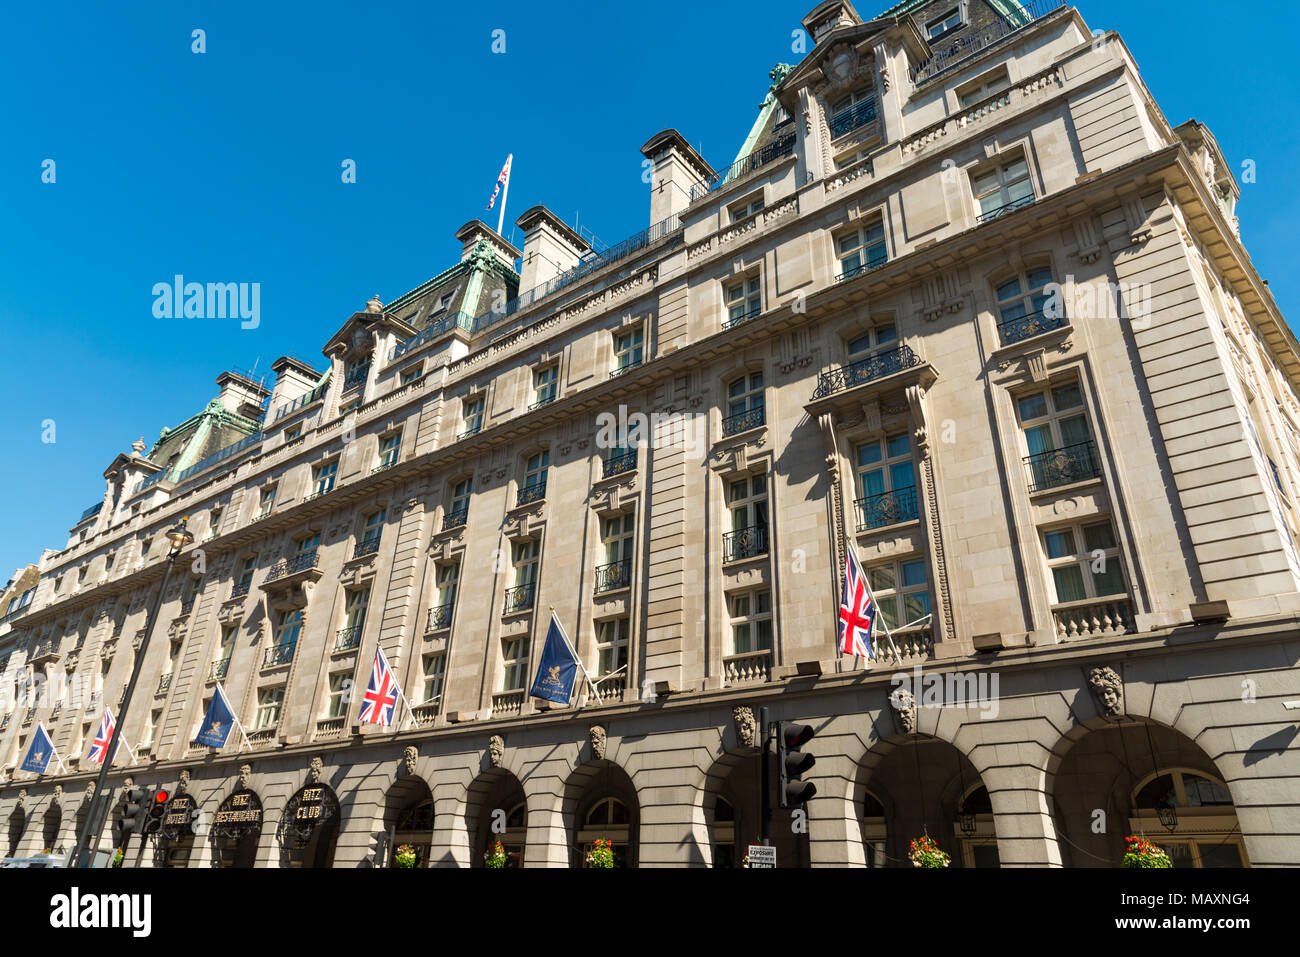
x: 1057, y: 467
x: 855, y: 117
x: 1004, y: 209
x: 878, y: 366
x: 367, y: 546
x: 519, y: 598
x: 187, y: 604
x: 356, y: 377
x: 1018, y: 328
x: 45, y: 653
x: 744, y: 543
x: 618, y: 464
x: 625, y: 368
x: 613, y: 576
x: 241, y: 588
x: 95, y: 702
x: 1018, y: 16
x: 781, y: 146
x: 542, y: 402
x: 875, y: 259
x: 455, y: 518
x: 219, y: 669
x: 887, y: 508
x: 280, y: 654
x: 744, y: 421
x: 531, y: 493
x: 752, y: 667
x: 348, y: 638
x: 1093, y: 618
x: 286, y: 568
x: 742, y: 317
x: 440, y: 617
x: 473, y: 430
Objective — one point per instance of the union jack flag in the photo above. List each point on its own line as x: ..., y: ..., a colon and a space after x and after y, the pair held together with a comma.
x: 99, y: 746
x: 857, y: 611
x: 502, y: 180
x: 380, y: 700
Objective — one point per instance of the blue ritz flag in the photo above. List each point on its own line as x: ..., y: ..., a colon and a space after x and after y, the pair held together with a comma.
x: 215, y: 729
x: 39, y: 754
x: 558, y: 667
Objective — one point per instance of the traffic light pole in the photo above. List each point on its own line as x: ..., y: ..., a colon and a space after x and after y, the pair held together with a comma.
x: 94, y: 824
x: 764, y: 779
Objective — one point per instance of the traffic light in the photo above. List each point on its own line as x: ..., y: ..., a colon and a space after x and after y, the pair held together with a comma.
x: 792, y: 763
x: 157, y: 811
x: 133, y: 810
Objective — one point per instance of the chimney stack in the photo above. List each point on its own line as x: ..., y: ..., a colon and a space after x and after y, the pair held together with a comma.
x: 550, y: 247
x: 475, y: 230
x: 677, y: 168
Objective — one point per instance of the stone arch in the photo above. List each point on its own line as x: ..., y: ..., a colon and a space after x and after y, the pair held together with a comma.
x: 732, y: 782
x: 496, y: 788
x: 408, y: 819
x: 587, y: 786
x: 1093, y: 776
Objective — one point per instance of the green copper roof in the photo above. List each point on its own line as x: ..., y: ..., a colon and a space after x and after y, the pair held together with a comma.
x: 1010, y: 9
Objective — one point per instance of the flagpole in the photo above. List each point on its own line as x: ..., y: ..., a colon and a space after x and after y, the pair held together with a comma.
x: 573, y: 651
x: 505, y: 193
x: 879, y: 613
x: 238, y: 724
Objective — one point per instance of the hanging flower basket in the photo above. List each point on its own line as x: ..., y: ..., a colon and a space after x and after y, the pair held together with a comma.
x: 495, y: 856
x: 601, y: 855
x: 926, y: 853
x: 1139, y: 852
x: 406, y: 856
x: 117, y: 858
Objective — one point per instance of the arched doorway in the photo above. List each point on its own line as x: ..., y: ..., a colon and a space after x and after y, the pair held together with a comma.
x: 732, y: 807
x: 601, y: 804
x: 408, y: 820
x: 497, y: 810
x: 1134, y: 777
x: 176, y: 836
x: 236, y: 828
x: 916, y: 785
x: 309, y: 827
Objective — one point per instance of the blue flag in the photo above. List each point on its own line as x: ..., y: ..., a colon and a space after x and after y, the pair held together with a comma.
x: 558, y: 667
x: 39, y: 754
x: 217, y: 723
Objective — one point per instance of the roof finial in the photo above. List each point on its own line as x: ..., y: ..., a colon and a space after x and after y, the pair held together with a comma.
x: 374, y: 305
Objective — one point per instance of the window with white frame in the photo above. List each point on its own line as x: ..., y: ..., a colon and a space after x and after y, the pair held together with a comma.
x: 861, y: 248
x: 266, y: 502
x: 526, y: 557
x: 433, y: 668
x: 227, y: 648
x: 628, y: 349
x: 1026, y: 306
x: 747, y: 505
x: 873, y: 341
x: 949, y: 20
x: 340, y: 694
x: 269, y: 702
x: 373, y: 529
x: 744, y: 299
x: 214, y: 521
x: 545, y: 384
x: 514, y: 663
x: 886, y: 481
x: 473, y: 414
x: 751, y: 621
x: 747, y: 207
x: 1084, y: 561
x: 448, y: 579
x: 389, y: 447
x: 356, y: 603
x: 287, y: 627
x: 535, y: 469
x: 1058, y: 439
x: 411, y: 373
x: 155, y: 725
x: 990, y: 84
x: 458, y: 510
x: 617, y: 534
x: 611, y: 646
x: 322, y: 476
x: 745, y: 403
x: 1003, y: 187
x: 293, y: 432
x: 902, y: 592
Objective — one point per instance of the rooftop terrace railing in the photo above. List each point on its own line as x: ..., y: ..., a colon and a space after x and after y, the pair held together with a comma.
x: 457, y: 319
x: 633, y: 244
x: 218, y: 456
x: 781, y: 146
x: 967, y: 46
x: 93, y: 510
x: 299, y: 402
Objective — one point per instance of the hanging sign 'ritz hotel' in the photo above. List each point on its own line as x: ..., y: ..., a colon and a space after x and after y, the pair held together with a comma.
x: 967, y: 303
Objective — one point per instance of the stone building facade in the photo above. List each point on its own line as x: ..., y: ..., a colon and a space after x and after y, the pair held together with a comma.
x: 967, y: 303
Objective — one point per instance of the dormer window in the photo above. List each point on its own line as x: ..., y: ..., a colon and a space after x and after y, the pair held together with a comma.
x: 746, y: 208
x: 937, y: 27
x: 852, y: 111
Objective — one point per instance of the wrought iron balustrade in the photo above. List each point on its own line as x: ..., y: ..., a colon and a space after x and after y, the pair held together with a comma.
x: 873, y: 261
x: 618, y: 464
x: 520, y: 597
x: 357, y: 376
x: 744, y: 421
x: 625, y: 369
x: 456, y: 518
x: 241, y: 588
x: 1025, y: 13
x: 447, y: 323
x: 440, y: 616
x: 1019, y: 328
x: 280, y: 654
x: 778, y: 148
x: 866, y: 370
x: 298, y: 563
x: 531, y: 493
x: 367, y: 546
x: 857, y: 115
x: 219, y: 669
x: 887, y: 508
x: 348, y: 638
x: 1010, y: 207
x: 1056, y: 467
x: 744, y: 543
x: 732, y: 321
x: 613, y: 576
x: 541, y: 402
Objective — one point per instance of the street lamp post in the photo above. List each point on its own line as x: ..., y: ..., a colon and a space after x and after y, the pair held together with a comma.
x: 179, y: 538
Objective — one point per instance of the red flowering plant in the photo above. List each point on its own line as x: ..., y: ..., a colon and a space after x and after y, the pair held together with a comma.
x: 926, y: 853
x: 1139, y: 852
x: 495, y: 856
x: 601, y: 854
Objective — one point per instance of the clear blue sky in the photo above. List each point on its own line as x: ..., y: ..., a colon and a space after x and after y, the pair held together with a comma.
x: 225, y: 167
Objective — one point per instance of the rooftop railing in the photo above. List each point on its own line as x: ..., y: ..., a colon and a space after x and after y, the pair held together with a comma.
x: 246, y: 442
x: 298, y: 403
x: 458, y: 319
x: 93, y: 510
x: 967, y: 46
x: 778, y: 148
x: 592, y: 263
